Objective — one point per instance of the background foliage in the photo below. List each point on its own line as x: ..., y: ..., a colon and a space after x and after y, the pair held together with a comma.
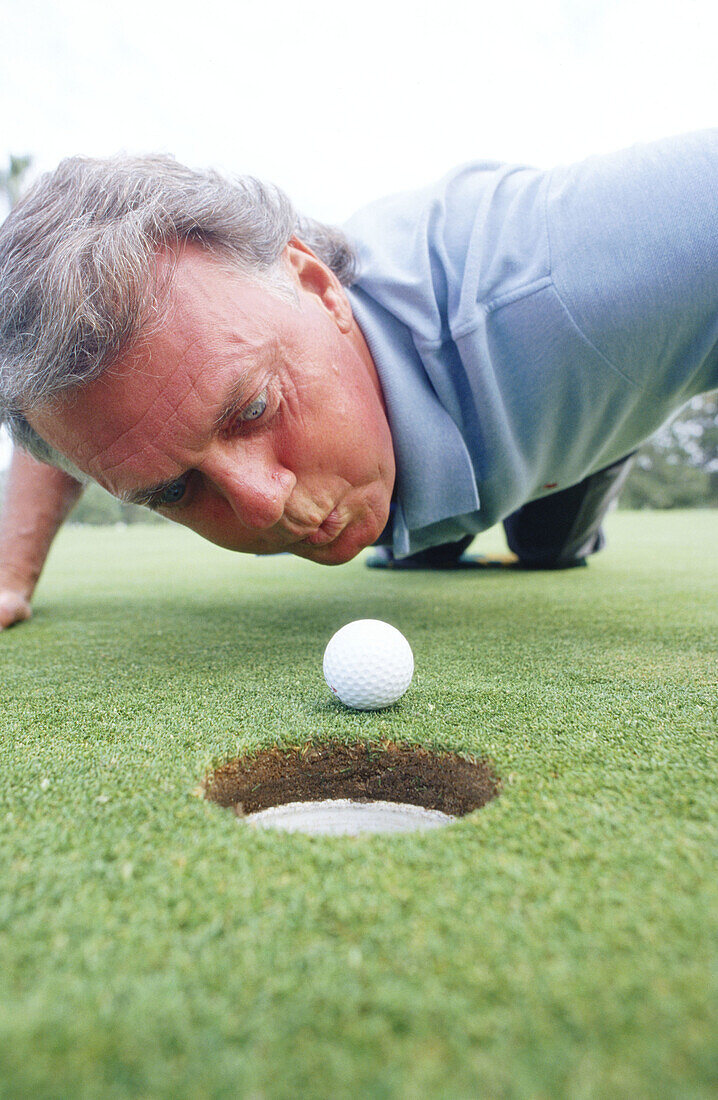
x: 678, y: 468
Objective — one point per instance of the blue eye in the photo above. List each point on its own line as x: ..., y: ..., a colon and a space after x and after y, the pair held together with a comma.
x: 171, y: 495
x: 255, y: 409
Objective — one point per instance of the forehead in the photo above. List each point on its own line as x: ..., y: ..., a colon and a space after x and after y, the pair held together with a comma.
x: 159, y: 402
x: 212, y: 308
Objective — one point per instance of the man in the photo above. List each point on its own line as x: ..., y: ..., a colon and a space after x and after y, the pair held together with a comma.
x: 493, y: 347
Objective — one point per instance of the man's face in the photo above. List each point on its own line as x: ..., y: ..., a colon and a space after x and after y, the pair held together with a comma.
x: 258, y: 423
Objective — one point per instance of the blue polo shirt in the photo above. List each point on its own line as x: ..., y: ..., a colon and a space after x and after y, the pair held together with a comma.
x: 532, y: 327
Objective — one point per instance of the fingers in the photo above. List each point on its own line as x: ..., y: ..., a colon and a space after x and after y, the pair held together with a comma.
x: 14, y: 608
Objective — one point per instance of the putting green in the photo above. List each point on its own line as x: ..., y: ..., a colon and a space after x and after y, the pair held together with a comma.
x: 561, y: 941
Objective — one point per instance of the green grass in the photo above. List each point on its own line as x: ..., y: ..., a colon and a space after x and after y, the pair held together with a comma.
x: 559, y: 942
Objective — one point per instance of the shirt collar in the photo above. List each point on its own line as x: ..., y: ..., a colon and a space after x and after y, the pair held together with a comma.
x: 435, y: 475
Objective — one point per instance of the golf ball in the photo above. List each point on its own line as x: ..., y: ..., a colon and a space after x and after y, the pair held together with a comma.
x: 368, y: 664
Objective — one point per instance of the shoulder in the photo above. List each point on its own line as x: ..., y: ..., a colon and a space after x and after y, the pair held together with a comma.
x: 429, y: 255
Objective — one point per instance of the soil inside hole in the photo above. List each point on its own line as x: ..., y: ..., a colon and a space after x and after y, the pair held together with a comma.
x: 362, y: 772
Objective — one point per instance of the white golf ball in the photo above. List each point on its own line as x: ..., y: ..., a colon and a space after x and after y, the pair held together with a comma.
x: 368, y: 664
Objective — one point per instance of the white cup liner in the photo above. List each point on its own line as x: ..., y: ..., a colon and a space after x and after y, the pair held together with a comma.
x: 345, y: 817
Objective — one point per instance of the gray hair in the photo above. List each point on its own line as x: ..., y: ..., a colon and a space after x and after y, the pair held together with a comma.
x: 77, y: 278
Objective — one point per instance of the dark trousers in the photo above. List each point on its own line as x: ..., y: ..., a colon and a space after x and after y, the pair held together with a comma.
x: 556, y: 531
x: 566, y: 526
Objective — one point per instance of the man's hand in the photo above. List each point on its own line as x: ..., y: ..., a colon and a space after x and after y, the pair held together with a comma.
x: 37, y: 499
x: 14, y: 608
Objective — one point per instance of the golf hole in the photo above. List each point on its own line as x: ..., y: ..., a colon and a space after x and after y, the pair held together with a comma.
x: 336, y: 789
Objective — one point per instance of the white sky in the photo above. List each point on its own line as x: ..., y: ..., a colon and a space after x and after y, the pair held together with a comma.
x: 340, y: 102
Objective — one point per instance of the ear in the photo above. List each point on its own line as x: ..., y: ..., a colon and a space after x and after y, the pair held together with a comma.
x: 314, y: 277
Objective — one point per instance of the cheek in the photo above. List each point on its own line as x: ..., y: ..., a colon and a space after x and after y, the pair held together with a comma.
x: 359, y: 412
x: 372, y: 431
x: 332, y: 420
x: 299, y: 419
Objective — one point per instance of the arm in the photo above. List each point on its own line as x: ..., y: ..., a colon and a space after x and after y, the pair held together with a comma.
x: 37, y: 500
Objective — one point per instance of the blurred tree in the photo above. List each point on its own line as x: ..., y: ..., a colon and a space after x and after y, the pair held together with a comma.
x: 12, y: 179
x: 678, y: 468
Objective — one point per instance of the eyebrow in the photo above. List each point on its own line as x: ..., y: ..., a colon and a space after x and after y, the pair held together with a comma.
x: 234, y: 397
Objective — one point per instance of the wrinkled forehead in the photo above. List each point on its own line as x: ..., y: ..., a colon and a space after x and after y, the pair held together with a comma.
x: 120, y: 420
x: 162, y: 395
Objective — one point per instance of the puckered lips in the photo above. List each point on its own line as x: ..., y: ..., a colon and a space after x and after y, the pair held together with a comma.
x: 328, y: 530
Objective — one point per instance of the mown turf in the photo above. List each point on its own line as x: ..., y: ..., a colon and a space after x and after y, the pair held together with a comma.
x: 559, y: 942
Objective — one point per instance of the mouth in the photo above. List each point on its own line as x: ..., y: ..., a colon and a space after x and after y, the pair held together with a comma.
x: 327, y: 531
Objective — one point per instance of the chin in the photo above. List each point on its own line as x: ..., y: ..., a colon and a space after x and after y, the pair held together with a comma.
x: 337, y: 553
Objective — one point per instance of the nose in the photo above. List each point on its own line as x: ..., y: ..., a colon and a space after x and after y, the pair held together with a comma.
x: 253, y: 483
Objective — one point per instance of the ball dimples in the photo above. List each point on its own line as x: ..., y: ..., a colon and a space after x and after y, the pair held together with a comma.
x: 368, y: 664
